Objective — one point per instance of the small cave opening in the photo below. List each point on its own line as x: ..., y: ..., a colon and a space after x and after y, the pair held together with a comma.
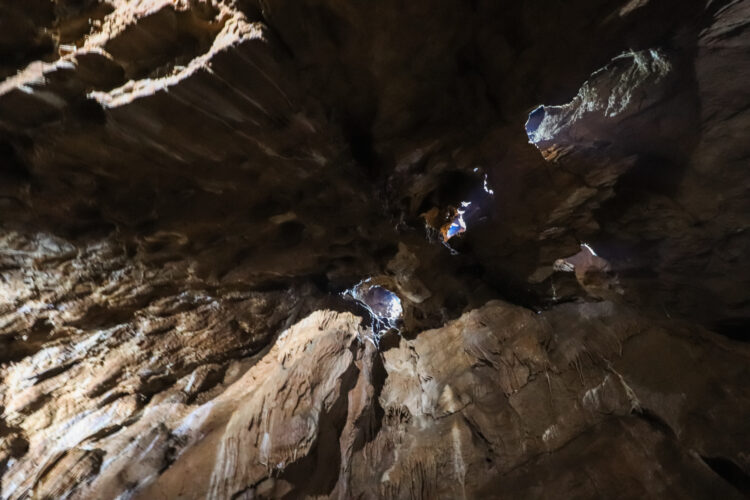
x: 589, y: 273
x: 384, y: 306
x: 457, y: 224
x: 460, y: 200
x: 586, y: 258
x: 536, y: 117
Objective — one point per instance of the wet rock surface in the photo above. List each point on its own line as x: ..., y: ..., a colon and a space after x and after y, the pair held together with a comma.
x: 540, y: 210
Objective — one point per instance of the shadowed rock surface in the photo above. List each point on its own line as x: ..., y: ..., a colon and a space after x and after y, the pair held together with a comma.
x: 338, y: 249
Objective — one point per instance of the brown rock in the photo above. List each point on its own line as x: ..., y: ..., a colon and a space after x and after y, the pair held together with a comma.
x: 205, y: 206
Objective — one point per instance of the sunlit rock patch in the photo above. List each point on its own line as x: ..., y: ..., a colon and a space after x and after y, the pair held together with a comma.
x: 622, y: 89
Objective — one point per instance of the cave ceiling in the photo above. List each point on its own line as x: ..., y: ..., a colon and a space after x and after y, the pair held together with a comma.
x: 349, y: 249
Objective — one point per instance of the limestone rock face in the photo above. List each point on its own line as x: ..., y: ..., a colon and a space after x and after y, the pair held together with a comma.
x: 338, y: 249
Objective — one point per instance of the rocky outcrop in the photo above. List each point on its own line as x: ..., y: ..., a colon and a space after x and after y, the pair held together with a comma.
x: 307, y: 249
x: 500, y: 396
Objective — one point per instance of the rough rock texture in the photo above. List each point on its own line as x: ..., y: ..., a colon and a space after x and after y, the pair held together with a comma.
x: 188, y: 188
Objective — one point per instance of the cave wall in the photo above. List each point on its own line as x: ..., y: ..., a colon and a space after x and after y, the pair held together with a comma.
x: 187, y: 189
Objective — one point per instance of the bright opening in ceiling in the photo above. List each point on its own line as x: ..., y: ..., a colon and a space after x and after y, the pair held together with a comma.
x: 532, y: 124
x: 456, y: 225
x: 384, y: 306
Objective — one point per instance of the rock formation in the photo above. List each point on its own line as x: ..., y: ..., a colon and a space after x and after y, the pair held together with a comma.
x: 345, y: 249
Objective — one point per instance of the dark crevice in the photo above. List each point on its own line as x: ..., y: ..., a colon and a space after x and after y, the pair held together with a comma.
x: 111, y: 398
x: 106, y: 431
x: 36, y: 404
x: 371, y: 421
x: 103, y: 317
x: 107, y: 384
x: 50, y: 465
x: 153, y: 385
x: 656, y: 422
x: 175, y: 444
x: 18, y: 444
x: 361, y: 145
x: 28, y: 342
x: 730, y: 472
x: 211, y: 380
x: 53, y: 372
x: 11, y: 165
x: 325, y: 455
x: 737, y: 329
